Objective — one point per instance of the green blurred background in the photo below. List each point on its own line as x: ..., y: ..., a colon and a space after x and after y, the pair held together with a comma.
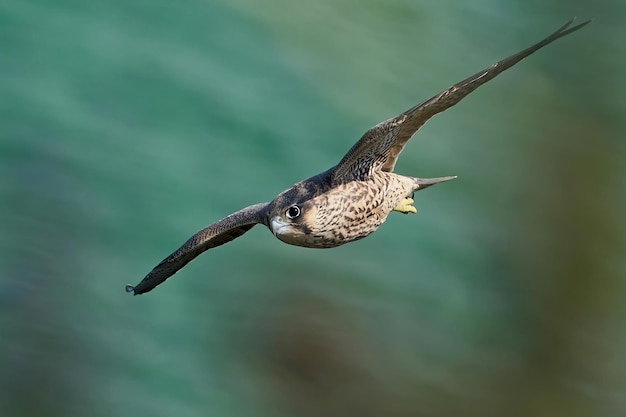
x: 126, y: 126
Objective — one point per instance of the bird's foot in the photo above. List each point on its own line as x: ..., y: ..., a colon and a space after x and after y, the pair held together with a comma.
x: 406, y: 206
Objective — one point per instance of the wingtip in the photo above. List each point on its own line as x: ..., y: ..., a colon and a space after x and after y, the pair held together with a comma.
x: 562, y: 31
x: 581, y: 24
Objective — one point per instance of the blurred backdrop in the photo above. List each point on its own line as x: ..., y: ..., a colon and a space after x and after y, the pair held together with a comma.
x: 126, y: 126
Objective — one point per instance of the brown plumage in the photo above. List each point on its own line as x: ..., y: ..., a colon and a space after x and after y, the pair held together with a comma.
x: 350, y: 200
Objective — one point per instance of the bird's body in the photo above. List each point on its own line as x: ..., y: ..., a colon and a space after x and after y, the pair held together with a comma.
x: 348, y: 201
x: 334, y: 214
x: 351, y: 211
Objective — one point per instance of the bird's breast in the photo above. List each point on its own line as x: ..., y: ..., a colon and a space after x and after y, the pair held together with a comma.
x: 353, y: 210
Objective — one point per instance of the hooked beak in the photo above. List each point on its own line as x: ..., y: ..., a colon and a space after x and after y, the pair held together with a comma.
x: 277, y: 225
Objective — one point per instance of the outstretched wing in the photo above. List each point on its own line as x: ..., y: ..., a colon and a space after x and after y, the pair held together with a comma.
x: 379, y: 147
x: 223, y: 231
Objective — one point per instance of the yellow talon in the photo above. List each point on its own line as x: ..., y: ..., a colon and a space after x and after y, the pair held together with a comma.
x: 405, y: 206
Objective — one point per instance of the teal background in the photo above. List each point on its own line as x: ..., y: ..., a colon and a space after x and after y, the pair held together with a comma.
x: 126, y: 126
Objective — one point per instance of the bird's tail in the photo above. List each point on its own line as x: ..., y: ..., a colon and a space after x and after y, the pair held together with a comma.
x: 427, y: 182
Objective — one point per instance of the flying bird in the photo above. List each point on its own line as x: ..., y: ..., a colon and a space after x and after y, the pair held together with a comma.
x: 350, y: 200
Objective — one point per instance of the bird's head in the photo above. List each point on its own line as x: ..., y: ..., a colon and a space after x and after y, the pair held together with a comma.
x: 294, y: 216
x: 291, y: 215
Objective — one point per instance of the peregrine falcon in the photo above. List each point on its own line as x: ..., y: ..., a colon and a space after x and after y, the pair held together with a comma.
x: 350, y: 200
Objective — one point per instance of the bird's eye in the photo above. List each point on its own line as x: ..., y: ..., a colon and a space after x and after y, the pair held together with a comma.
x: 292, y: 212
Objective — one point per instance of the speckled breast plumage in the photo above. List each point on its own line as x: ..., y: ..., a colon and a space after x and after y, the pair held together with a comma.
x: 355, y: 209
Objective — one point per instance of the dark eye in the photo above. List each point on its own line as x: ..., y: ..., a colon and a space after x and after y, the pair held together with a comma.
x: 292, y: 212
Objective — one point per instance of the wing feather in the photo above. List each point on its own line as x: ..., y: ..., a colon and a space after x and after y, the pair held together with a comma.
x: 223, y: 231
x: 379, y: 147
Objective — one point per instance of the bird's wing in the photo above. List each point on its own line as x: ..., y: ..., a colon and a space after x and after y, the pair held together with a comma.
x: 223, y: 231
x: 379, y: 147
